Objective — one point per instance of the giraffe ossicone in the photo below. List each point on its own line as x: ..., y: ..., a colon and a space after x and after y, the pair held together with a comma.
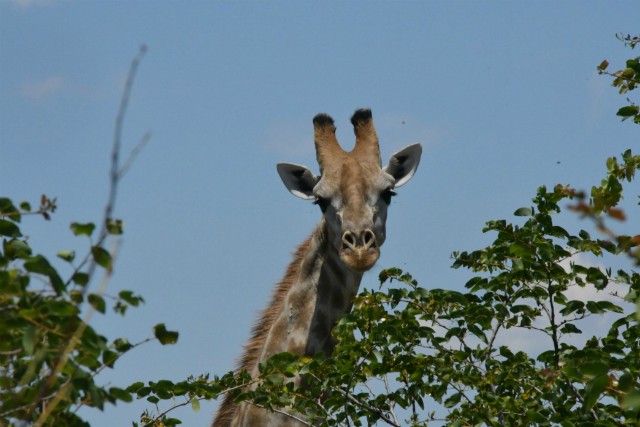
x: 353, y: 191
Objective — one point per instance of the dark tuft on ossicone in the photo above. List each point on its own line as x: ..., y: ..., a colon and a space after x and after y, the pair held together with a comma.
x: 323, y: 119
x: 362, y: 115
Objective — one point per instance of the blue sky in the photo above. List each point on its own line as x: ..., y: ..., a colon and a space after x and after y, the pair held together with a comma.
x: 503, y: 96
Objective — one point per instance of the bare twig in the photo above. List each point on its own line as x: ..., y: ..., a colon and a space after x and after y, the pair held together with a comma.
x: 300, y: 420
x: 115, y: 175
x: 276, y: 410
x: 619, y: 75
x: 116, y: 172
x: 363, y: 405
x: 388, y: 390
x: 28, y: 405
x: 176, y: 406
x: 353, y: 374
x: 134, y: 153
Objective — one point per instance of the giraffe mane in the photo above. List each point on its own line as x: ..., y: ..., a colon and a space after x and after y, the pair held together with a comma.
x: 260, y: 330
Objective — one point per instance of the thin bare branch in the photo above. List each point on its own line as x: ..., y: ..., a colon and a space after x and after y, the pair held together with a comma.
x: 363, y: 405
x: 116, y: 172
x: 134, y: 153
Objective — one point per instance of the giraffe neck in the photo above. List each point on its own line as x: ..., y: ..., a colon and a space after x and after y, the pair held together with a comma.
x: 316, y: 290
x: 322, y: 292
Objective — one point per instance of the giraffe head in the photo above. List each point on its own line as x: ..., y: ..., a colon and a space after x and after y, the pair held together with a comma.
x: 353, y: 190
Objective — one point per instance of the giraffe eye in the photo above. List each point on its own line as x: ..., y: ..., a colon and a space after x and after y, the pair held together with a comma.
x: 387, y: 195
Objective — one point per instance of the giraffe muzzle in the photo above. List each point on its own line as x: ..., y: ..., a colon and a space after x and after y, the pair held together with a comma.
x: 359, y: 250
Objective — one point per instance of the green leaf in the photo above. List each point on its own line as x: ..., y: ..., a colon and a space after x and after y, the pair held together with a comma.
x: 109, y: 358
x: 96, y: 396
x: 80, y: 278
x: 631, y: 401
x: 452, y: 400
x: 523, y: 212
x: 82, y: 229
x: 114, y: 226
x: 558, y: 232
x: 67, y: 255
x: 609, y: 306
x: 570, y: 328
x: 628, y: 111
x: 594, y: 307
x: 122, y: 345
x: 130, y: 298
x: 63, y: 308
x: 520, y: 250
x: 163, y: 389
x: 102, y: 257
x: 133, y: 388
x: 29, y: 339
x: 537, y: 417
x: 625, y: 381
x: 595, y: 369
x: 603, y: 65
x: 97, y: 302
x: 163, y: 386
x: 593, y: 390
x: 163, y: 335
x: 143, y: 391
x: 76, y: 296
x: 573, y: 306
x: 120, y: 394
x: 389, y: 273
x: 15, y: 248
x: 8, y: 209
x: 634, y: 64
x: 39, y: 264
x: 9, y: 229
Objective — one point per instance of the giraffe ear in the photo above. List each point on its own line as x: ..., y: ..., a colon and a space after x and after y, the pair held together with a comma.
x: 299, y: 180
x: 403, y: 164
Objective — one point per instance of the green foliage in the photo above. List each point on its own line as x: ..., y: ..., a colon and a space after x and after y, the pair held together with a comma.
x: 49, y: 356
x: 443, y: 356
x: 163, y: 335
x: 448, y: 351
x: 626, y: 79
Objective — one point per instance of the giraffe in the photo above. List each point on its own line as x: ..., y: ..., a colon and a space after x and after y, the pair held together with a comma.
x: 353, y: 192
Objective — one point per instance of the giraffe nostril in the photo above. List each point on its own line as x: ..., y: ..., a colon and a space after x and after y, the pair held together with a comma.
x: 368, y: 239
x: 349, y: 240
